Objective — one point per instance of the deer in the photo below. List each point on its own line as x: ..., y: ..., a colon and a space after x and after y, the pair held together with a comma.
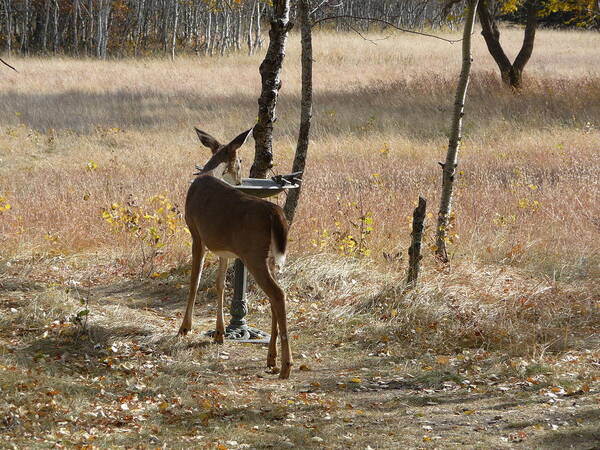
x: 232, y: 224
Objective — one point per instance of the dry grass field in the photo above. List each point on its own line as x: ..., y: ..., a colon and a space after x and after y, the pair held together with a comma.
x: 500, y: 347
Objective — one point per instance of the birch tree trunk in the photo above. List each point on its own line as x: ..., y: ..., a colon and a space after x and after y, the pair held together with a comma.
x: 249, y: 38
x: 75, y: 34
x: 305, y: 107
x: 99, y: 30
x: 46, y: 22
x: 449, y: 167
x: 207, y: 38
x: 9, y: 31
x: 91, y: 26
x: 26, y: 30
x: 174, y: 41
x: 55, y: 30
x: 270, y: 71
x: 258, y: 31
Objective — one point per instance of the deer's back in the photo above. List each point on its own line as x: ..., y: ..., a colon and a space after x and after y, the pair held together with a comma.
x: 226, y: 219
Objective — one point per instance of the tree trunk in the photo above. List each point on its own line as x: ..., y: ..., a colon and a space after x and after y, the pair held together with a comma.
x: 55, y: 29
x: 174, y: 41
x: 414, y: 251
x: 512, y: 74
x: 249, y: 39
x: 207, y: 38
x: 270, y: 71
x: 305, y: 107
x: 449, y: 167
x: 26, y: 28
x: 99, y: 31
x: 91, y: 27
x: 9, y: 31
x: 75, y: 33
x: 257, y: 32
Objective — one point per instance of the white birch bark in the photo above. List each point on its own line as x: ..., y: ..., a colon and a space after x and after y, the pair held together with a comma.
x: 306, y: 106
x: 449, y: 167
x: 174, y: 40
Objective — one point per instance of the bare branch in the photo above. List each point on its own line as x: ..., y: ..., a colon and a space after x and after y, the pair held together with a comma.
x: 325, y: 3
x: 8, y: 65
x: 372, y: 41
x: 385, y: 22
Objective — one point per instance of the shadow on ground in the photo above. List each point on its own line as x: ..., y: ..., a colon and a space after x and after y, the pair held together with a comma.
x: 390, y: 106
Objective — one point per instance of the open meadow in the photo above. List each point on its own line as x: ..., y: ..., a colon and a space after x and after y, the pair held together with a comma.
x: 500, y: 347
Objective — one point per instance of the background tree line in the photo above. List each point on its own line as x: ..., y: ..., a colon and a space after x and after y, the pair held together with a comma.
x: 101, y: 28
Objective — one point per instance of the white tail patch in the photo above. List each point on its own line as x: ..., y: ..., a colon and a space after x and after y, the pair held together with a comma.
x: 277, y: 257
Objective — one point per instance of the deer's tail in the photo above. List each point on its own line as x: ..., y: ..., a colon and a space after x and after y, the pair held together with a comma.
x: 279, y: 233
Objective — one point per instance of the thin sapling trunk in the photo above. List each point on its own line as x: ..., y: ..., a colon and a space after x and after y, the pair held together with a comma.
x: 449, y: 167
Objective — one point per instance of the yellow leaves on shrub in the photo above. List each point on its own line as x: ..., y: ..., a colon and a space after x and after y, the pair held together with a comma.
x: 4, y: 205
x: 155, y: 223
x: 526, y: 203
x: 52, y: 238
x: 385, y: 150
x: 351, y: 235
x: 510, y: 6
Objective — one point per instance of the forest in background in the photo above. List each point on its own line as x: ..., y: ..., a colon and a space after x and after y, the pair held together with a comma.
x: 118, y: 28
x: 103, y: 28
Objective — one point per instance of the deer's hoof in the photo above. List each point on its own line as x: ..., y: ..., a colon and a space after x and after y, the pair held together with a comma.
x: 272, y: 370
x: 183, y: 331
x: 219, y: 339
x: 285, y: 371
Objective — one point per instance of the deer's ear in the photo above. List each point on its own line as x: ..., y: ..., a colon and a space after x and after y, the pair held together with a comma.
x: 208, y: 141
x: 239, y: 141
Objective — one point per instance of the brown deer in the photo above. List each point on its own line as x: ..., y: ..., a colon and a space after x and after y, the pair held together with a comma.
x: 232, y: 224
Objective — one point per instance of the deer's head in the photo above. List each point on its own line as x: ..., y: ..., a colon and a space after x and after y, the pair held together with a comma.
x: 225, y: 162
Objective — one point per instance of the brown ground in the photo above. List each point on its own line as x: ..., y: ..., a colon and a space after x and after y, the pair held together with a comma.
x: 125, y: 379
x: 499, y: 349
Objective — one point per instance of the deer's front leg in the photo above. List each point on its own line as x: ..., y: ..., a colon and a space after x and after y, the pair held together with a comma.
x: 220, y: 331
x: 198, y: 253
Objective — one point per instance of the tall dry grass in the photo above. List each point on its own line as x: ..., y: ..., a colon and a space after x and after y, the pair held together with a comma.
x: 527, y: 194
x: 77, y: 136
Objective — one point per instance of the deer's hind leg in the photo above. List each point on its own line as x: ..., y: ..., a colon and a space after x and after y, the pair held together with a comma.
x: 198, y: 253
x: 272, y: 355
x: 262, y: 275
